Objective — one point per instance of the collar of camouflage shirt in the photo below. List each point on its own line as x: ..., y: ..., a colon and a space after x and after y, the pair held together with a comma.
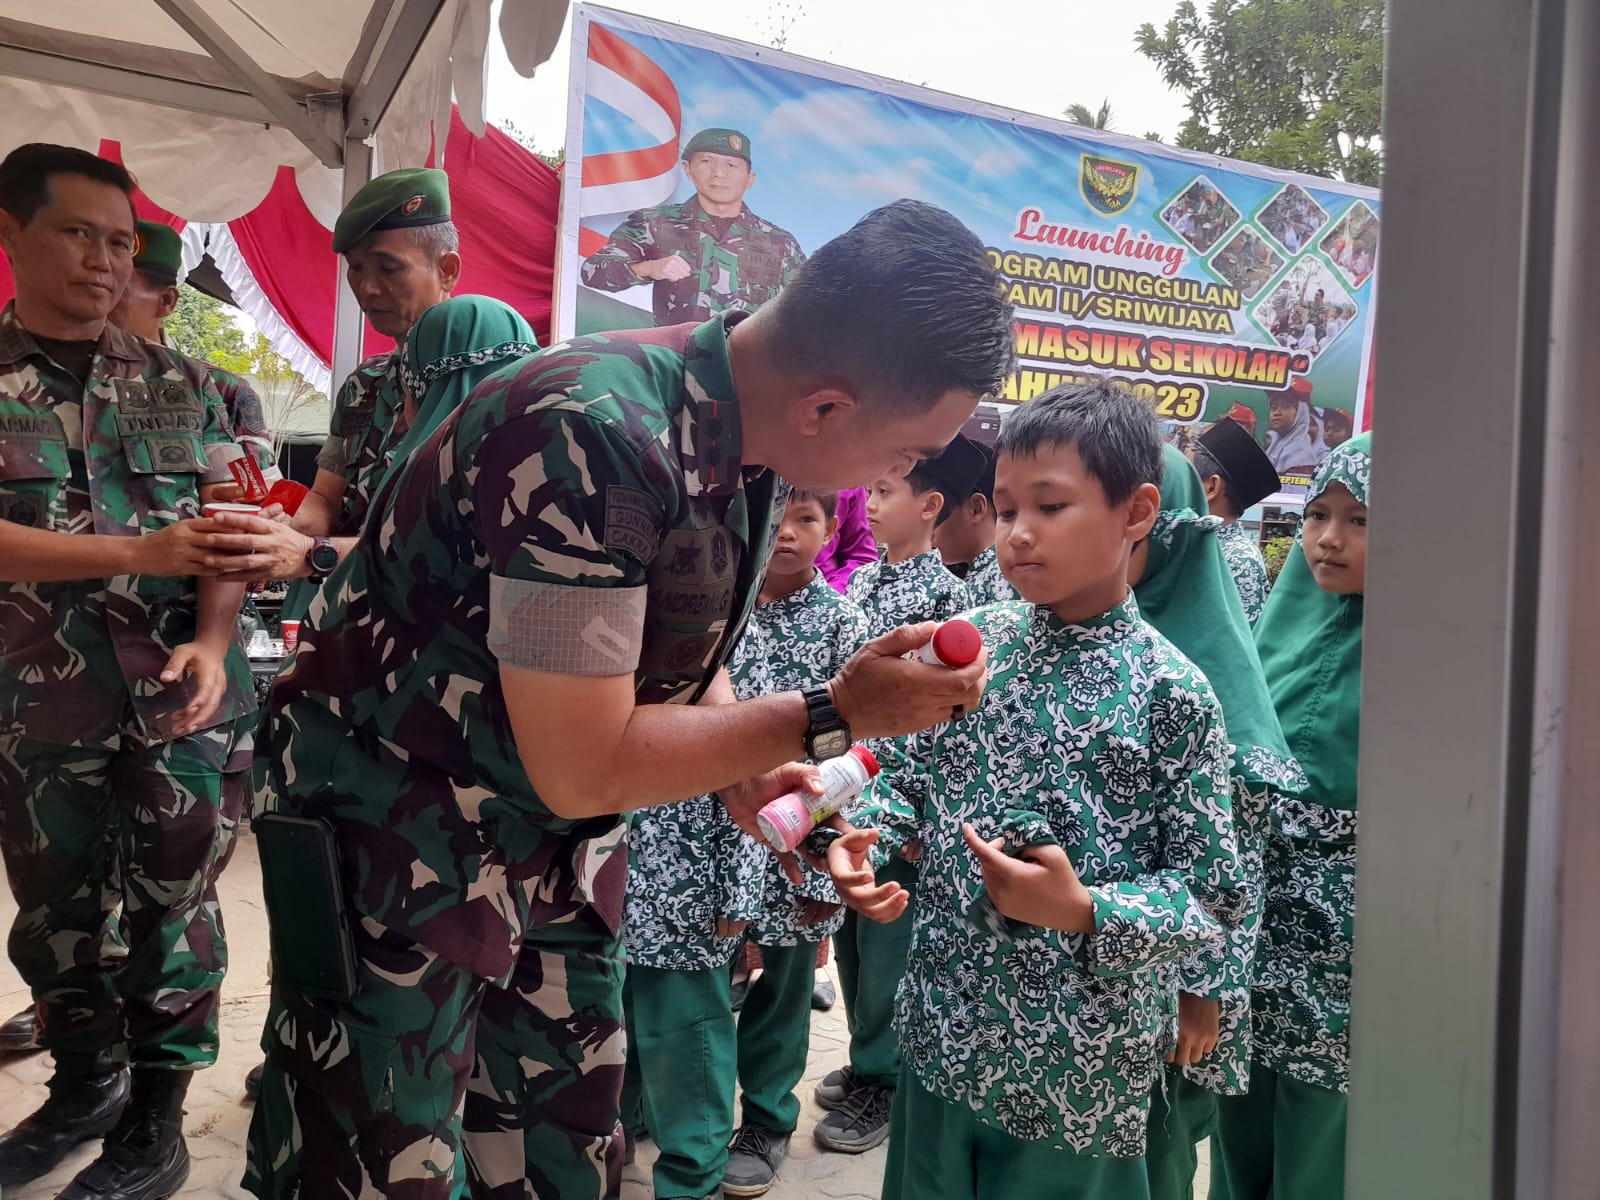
x: 711, y: 439
x: 17, y: 344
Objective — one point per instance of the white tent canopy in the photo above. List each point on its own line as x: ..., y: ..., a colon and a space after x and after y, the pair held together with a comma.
x: 208, y: 98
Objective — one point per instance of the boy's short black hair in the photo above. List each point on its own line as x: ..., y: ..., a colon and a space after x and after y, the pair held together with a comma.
x: 25, y: 175
x: 828, y: 501
x: 903, y: 306
x: 1207, y: 465
x: 923, y: 481
x: 1114, y: 432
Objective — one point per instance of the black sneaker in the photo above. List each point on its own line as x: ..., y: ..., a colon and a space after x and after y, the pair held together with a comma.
x: 754, y: 1156
x: 860, y: 1123
x: 836, y: 1087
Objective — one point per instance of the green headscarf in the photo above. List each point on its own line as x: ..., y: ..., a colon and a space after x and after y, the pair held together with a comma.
x: 1187, y: 593
x: 453, y: 347
x: 1310, y: 643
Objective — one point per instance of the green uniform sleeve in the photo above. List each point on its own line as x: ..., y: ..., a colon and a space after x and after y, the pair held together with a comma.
x: 335, y: 455
x: 610, y: 268
x: 569, y: 523
x: 1169, y: 914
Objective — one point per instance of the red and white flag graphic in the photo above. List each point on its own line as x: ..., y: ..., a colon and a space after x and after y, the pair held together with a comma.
x: 627, y: 80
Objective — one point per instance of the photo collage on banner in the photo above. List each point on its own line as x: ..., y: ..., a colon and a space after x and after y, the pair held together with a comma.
x: 706, y: 170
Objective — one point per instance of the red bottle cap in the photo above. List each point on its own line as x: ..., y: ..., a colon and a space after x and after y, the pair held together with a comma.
x: 866, y: 758
x: 957, y: 643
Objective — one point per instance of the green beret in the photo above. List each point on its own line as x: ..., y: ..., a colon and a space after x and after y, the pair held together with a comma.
x: 718, y: 141
x: 396, y: 200
x: 157, y: 251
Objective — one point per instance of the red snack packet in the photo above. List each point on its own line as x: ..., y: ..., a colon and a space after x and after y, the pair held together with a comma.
x: 247, y: 474
x: 287, y: 493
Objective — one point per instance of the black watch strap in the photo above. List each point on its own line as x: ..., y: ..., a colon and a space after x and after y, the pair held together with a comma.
x: 822, y: 720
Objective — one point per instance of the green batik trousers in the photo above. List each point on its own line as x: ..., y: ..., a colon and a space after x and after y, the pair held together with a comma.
x: 112, y: 853
x: 428, y: 1065
x: 1284, y: 1139
x: 941, y: 1151
x: 1182, y: 1115
x: 682, y: 1042
x: 775, y: 1036
x: 872, y: 960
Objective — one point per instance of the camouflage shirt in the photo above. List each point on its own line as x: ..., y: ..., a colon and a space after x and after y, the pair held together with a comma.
x: 120, y: 457
x: 246, y: 419
x: 587, y: 514
x: 369, y: 419
x: 737, y: 262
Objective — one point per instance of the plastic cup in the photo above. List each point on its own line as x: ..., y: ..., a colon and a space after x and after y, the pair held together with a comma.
x: 212, y: 510
x: 291, y: 635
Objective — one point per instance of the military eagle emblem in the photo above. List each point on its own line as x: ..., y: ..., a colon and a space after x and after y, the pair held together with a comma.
x: 1108, y: 185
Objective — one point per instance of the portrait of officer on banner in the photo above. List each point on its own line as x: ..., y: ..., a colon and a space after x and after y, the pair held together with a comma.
x: 708, y: 254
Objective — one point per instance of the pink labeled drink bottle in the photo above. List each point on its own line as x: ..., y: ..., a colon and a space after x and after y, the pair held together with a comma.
x: 785, y: 821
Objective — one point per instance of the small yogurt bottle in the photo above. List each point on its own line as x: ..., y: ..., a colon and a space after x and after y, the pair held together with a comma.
x: 786, y: 821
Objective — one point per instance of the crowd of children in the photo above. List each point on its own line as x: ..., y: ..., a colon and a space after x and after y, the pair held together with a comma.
x: 1100, y: 918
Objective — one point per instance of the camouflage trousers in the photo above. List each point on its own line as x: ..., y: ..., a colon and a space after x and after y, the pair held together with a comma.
x: 432, y: 1083
x: 112, y: 853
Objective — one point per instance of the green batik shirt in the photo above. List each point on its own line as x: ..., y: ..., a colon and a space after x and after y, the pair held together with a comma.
x: 367, y: 424
x: 588, y: 514
x: 985, y: 584
x: 121, y: 457
x: 1105, y: 730
x: 1247, y: 566
x: 736, y: 263
x: 801, y: 640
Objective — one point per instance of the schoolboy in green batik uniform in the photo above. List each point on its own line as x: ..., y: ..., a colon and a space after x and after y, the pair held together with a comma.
x: 1032, y: 1039
x: 965, y: 539
x: 1286, y: 1138
x: 1183, y: 588
x: 805, y: 631
x: 907, y: 584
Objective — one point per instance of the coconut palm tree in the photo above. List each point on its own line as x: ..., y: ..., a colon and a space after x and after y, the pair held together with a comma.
x: 1079, y: 114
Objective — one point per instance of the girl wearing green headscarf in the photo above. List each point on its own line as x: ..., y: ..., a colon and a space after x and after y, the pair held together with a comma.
x: 1286, y: 1138
x: 1181, y: 580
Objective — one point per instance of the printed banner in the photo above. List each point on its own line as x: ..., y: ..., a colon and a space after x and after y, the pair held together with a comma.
x: 702, y: 170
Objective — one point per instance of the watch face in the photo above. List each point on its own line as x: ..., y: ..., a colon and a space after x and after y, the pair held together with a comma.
x: 324, y: 558
x: 830, y: 744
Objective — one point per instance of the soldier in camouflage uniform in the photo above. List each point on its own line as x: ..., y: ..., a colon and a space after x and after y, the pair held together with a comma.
x: 1237, y: 475
x: 511, y: 656
x: 122, y: 687
x: 708, y: 255
x: 402, y: 257
x: 801, y: 635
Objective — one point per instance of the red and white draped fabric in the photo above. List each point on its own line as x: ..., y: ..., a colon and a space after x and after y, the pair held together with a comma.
x: 615, y: 184
x: 278, y: 263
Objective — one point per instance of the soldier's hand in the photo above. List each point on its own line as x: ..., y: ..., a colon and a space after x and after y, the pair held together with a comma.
x: 880, y: 693
x: 858, y: 887
x: 253, y: 548
x: 202, y: 667
x: 669, y: 269
x: 744, y: 801
x: 179, y: 549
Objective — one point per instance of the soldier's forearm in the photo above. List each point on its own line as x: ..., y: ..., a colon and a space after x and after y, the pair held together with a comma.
x: 37, y: 556
x: 217, y: 611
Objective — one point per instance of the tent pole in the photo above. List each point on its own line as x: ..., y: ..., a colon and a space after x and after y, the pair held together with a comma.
x: 347, y: 319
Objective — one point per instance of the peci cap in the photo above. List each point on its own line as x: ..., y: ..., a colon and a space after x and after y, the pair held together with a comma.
x: 157, y: 252
x: 1250, y: 473
x: 395, y: 200
x: 719, y: 141
x: 960, y: 466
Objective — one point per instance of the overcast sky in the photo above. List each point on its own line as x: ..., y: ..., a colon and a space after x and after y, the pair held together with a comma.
x: 1033, y: 56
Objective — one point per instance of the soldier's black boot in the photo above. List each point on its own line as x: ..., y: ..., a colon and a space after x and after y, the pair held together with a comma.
x: 85, y: 1101
x: 144, y: 1157
x: 20, y: 1034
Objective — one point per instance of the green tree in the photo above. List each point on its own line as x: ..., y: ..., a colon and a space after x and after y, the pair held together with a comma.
x: 203, y: 327
x: 1080, y: 114
x: 1296, y: 84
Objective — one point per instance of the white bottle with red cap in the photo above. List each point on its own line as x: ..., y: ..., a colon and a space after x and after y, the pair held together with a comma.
x: 786, y: 821
x: 956, y: 643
